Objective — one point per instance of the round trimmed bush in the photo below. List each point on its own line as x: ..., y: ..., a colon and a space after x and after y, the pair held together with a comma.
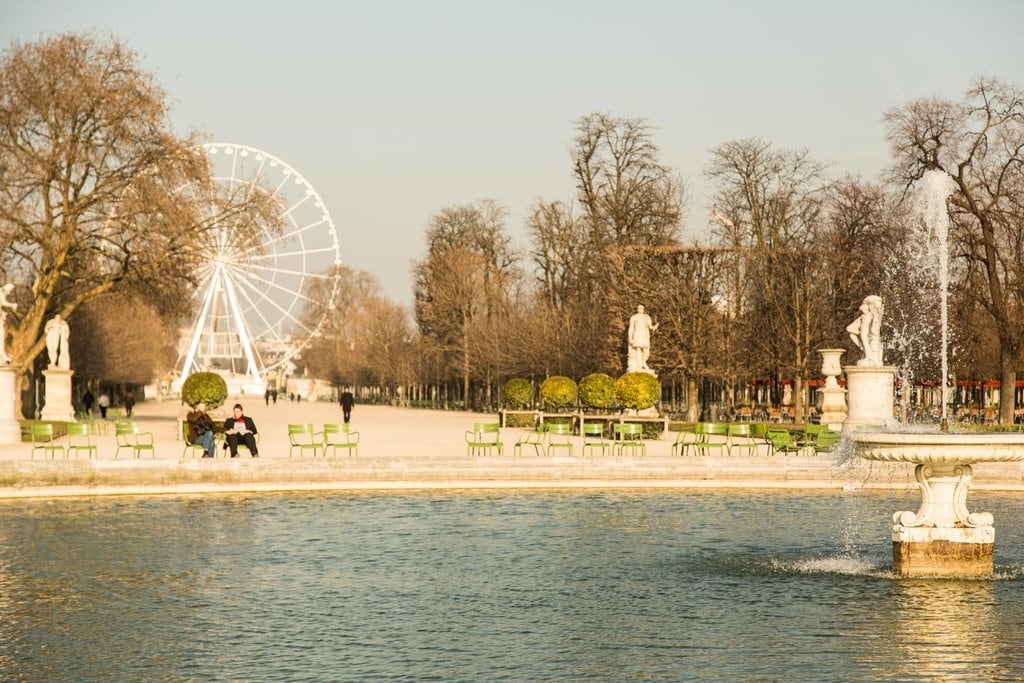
x: 637, y: 390
x: 206, y: 387
x: 518, y: 394
x: 597, y: 390
x: 558, y: 393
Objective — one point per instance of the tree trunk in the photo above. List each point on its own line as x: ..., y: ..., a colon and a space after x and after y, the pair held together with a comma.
x: 1007, y: 384
x: 692, y: 404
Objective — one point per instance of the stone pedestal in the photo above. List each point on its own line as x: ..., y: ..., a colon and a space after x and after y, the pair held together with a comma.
x: 943, y: 538
x: 58, y: 406
x: 870, y: 396
x: 833, y: 396
x: 10, y: 429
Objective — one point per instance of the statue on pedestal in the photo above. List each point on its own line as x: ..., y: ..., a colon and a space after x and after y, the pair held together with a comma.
x: 5, y: 303
x: 866, y: 331
x: 640, y: 328
x: 57, y: 335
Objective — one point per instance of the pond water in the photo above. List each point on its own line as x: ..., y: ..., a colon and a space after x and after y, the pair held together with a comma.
x: 516, y: 585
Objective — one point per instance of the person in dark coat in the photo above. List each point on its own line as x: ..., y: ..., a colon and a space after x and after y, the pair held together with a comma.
x: 347, y: 401
x: 87, y: 400
x: 239, y: 428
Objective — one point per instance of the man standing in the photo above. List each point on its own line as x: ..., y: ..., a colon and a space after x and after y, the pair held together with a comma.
x: 347, y: 401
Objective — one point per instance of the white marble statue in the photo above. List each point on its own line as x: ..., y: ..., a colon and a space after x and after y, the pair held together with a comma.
x: 866, y: 331
x: 57, y: 334
x: 5, y: 303
x: 640, y: 328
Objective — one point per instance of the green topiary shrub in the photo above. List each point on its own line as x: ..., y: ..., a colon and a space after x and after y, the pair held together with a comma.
x: 637, y: 390
x: 207, y: 387
x: 558, y: 393
x: 597, y: 390
x: 517, y: 394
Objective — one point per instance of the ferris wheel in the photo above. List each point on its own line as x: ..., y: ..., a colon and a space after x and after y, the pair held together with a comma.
x: 261, y: 298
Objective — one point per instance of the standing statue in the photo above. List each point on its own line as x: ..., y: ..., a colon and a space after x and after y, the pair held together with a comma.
x: 640, y: 328
x: 57, y: 335
x: 866, y: 331
x: 5, y: 303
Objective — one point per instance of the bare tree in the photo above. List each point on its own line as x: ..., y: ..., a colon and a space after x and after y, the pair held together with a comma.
x: 104, y: 349
x: 979, y: 142
x: 90, y: 174
x: 627, y: 196
x: 771, y: 203
x: 466, y: 281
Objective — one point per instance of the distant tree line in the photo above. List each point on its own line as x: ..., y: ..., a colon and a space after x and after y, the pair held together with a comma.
x: 95, y: 226
x: 790, y: 254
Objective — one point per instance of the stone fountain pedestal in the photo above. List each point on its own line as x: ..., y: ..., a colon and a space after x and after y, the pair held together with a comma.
x: 10, y: 428
x: 942, y: 538
x: 58, y: 406
x: 833, y: 396
x: 870, y: 396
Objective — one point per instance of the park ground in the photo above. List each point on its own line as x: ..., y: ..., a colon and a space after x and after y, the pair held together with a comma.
x: 405, y: 448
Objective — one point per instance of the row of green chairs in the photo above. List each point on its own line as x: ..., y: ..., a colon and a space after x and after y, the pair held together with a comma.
x: 552, y: 436
x: 128, y: 436
x: 303, y: 437
x: 709, y: 438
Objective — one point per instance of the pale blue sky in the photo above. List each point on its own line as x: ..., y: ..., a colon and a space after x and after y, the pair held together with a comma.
x: 393, y: 110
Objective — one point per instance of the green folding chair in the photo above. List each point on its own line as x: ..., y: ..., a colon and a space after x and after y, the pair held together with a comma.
x: 340, y: 436
x: 43, y: 440
x: 80, y: 439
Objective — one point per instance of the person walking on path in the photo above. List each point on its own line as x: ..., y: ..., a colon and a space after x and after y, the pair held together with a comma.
x: 239, y: 428
x: 87, y: 400
x: 129, y: 403
x: 103, y: 403
x: 346, y: 401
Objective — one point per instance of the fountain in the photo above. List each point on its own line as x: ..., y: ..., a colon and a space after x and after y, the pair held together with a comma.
x: 942, y: 538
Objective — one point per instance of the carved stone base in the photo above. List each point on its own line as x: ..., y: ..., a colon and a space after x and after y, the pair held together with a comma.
x: 10, y: 428
x: 869, y: 396
x: 941, y: 558
x: 58, y: 406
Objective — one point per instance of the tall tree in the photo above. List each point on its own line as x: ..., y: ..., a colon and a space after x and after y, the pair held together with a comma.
x: 628, y: 197
x: 90, y: 174
x: 770, y: 203
x: 466, y: 281
x: 979, y: 142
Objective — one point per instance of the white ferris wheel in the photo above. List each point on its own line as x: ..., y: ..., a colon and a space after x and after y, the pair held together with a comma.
x: 259, y: 302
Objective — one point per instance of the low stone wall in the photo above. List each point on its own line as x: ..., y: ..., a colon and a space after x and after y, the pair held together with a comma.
x: 98, y: 477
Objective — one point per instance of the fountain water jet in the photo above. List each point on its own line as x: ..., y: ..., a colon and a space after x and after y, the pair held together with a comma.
x: 942, y: 538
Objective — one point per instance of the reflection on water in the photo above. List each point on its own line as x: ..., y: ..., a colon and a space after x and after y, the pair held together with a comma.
x: 481, y: 586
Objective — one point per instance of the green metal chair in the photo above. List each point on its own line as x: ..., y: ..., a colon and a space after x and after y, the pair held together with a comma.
x: 190, y: 447
x: 741, y: 439
x: 340, y: 436
x: 782, y: 440
x: 43, y: 440
x: 594, y: 437
x: 687, y: 438
x: 705, y: 445
x: 826, y: 440
x: 303, y: 438
x: 629, y: 435
x: 80, y: 439
x: 128, y: 436
x: 533, y: 438
x: 483, y: 437
x: 559, y: 436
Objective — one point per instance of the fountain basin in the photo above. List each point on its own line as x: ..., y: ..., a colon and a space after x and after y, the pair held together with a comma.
x: 942, y: 538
